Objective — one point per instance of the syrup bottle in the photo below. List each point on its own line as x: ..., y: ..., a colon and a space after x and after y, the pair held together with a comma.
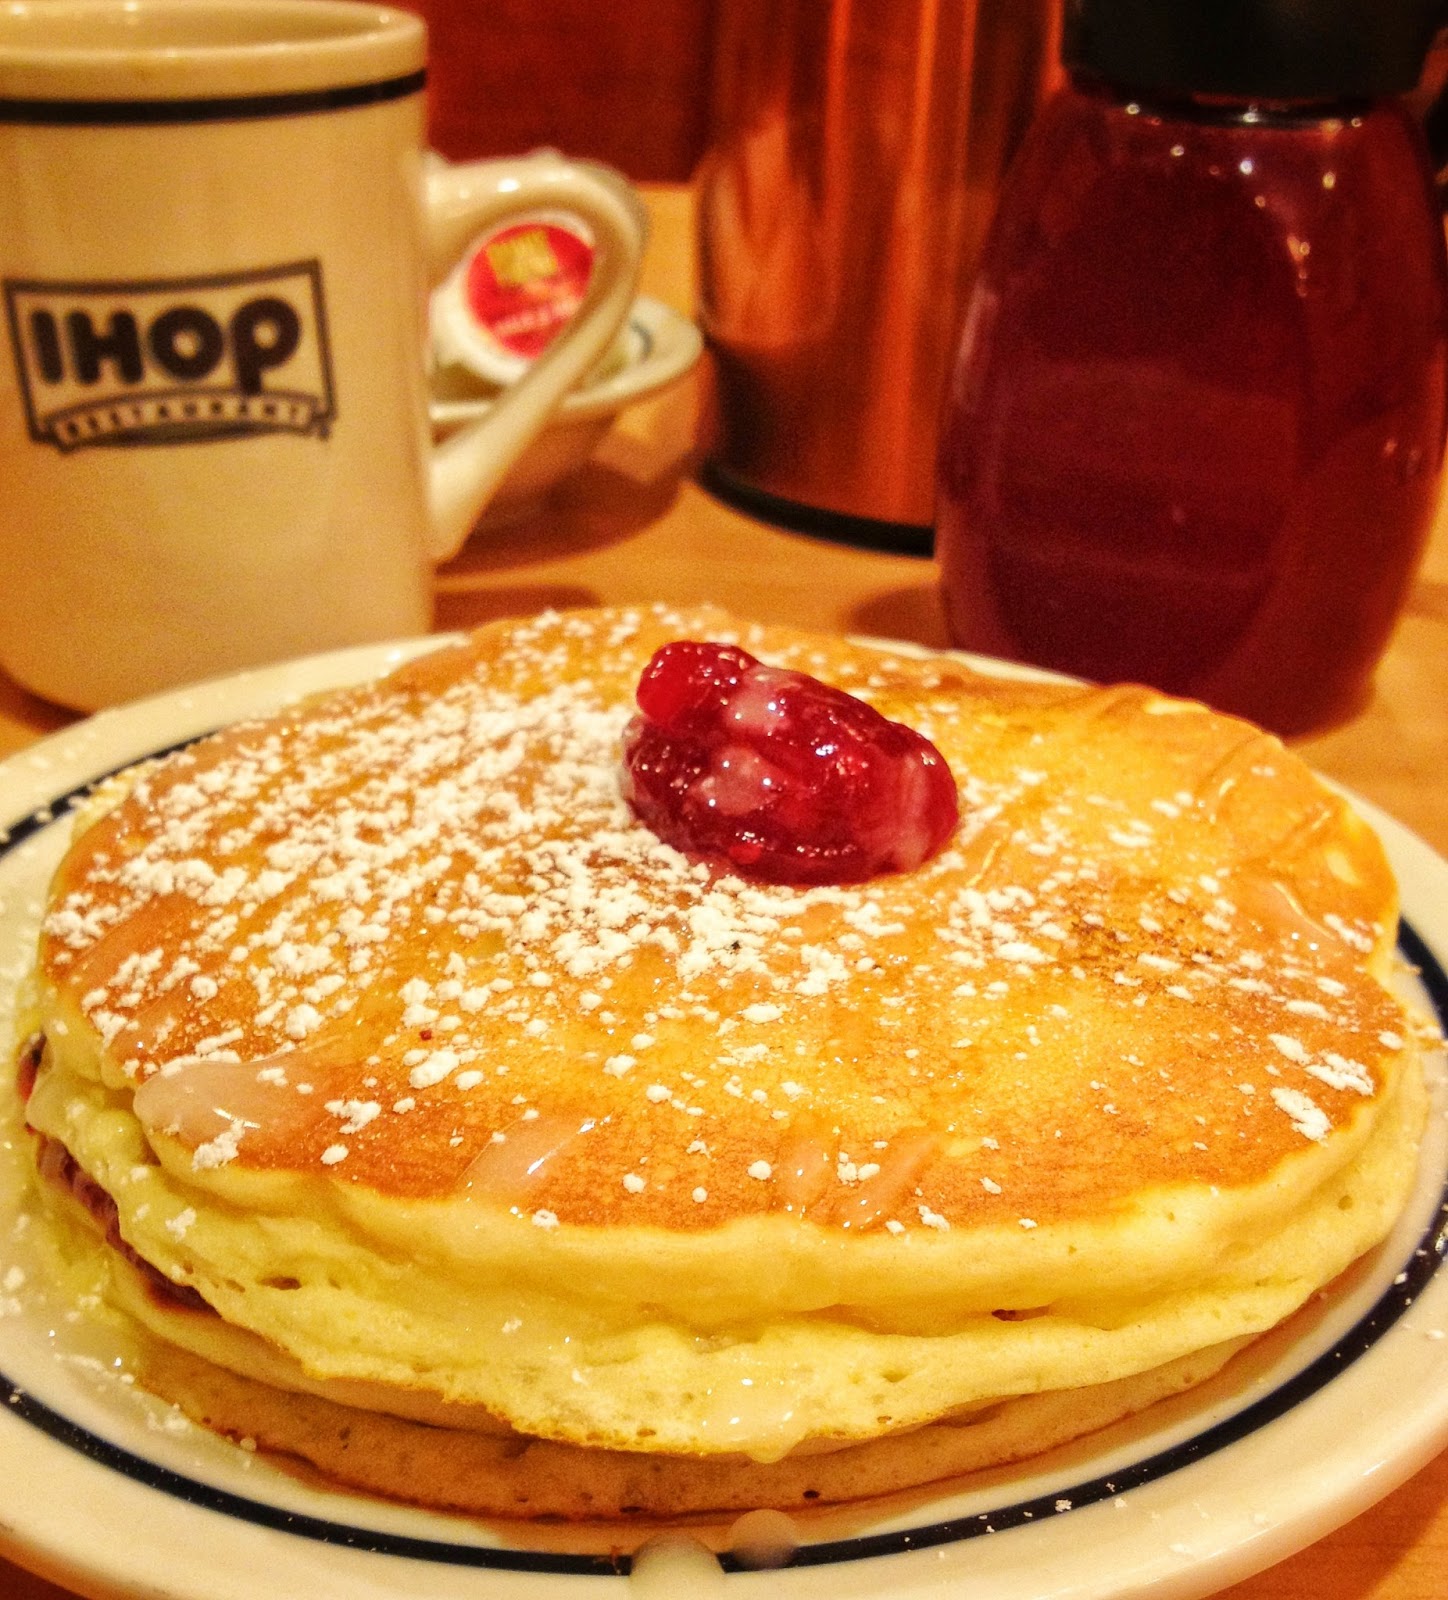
x: 1194, y: 430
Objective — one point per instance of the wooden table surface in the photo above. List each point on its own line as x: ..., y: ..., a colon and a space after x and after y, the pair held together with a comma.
x: 633, y: 526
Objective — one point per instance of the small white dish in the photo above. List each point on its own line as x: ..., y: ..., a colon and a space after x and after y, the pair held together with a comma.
x: 656, y: 347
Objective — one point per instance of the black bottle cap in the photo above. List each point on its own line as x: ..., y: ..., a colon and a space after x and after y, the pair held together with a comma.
x: 1253, y: 49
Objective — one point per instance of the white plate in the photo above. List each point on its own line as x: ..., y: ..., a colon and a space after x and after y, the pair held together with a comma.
x: 111, y: 1493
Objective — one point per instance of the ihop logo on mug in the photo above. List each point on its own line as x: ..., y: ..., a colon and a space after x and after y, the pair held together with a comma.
x: 166, y: 361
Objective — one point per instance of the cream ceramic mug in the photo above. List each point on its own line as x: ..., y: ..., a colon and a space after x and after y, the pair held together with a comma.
x: 217, y: 236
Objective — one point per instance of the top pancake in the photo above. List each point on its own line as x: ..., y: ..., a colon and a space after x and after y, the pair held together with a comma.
x: 409, y: 938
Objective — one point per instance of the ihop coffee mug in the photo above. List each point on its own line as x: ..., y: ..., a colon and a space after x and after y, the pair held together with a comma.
x: 217, y: 236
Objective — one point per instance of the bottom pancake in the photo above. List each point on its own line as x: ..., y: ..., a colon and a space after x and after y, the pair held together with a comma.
x: 488, y: 1470
x: 450, y: 1469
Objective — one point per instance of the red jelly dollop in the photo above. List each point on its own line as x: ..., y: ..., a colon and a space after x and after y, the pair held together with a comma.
x: 780, y: 776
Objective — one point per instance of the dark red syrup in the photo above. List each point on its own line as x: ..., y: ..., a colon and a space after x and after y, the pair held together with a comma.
x: 27, y: 1066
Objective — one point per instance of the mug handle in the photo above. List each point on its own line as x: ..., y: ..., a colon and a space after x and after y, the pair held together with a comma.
x: 460, y: 202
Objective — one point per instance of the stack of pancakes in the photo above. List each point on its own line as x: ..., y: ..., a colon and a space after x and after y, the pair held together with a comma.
x: 451, y: 1131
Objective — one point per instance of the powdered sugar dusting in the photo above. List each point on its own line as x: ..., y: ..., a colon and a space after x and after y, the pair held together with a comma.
x: 1307, y: 1117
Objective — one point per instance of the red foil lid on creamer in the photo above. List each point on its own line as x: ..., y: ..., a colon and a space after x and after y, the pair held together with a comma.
x: 515, y: 288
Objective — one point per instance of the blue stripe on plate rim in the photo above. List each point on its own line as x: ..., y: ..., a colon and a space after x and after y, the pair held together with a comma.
x: 1425, y: 1261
